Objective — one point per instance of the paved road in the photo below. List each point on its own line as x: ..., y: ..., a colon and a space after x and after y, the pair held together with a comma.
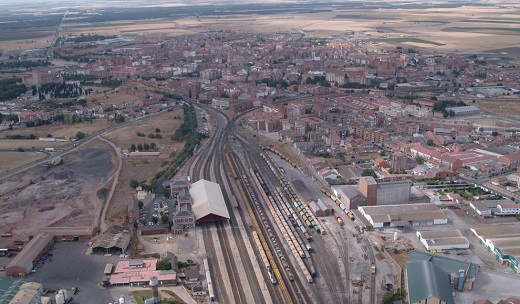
x: 102, y: 226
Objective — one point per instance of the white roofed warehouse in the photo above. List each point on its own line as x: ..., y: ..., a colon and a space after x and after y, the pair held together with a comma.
x: 208, y: 202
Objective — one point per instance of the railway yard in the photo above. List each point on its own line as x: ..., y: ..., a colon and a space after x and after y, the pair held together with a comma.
x: 269, y: 220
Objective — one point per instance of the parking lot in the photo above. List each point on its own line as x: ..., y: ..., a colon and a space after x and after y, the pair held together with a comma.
x: 69, y: 267
x: 156, y: 208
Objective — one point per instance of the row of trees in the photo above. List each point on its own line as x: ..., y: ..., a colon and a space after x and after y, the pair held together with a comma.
x: 25, y: 64
x: 143, y: 147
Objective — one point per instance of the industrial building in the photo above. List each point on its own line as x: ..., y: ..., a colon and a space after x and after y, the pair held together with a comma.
x: 433, y: 278
x: 208, y: 202
x: 155, y: 229
x: 349, y: 196
x: 465, y: 110
x: 23, y: 262
x: 385, y: 193
x: 489, y: 208
x: 442, y: 240
x: 403, y: 215
x: 318, y: 208
x: 114, y: 241
x: 20, y: 291
x: 501, y: 241
x: 71, y: 233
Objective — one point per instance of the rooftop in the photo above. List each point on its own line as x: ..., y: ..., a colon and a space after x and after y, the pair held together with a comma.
x: 208, y: 199
x: 26, y: 257
x: 114, y: 237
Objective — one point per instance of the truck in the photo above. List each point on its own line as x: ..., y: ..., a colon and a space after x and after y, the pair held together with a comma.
x: 350, y: 215
x: 373, y: 268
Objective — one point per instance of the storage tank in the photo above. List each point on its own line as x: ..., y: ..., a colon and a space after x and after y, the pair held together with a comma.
x: 154, y: 283
x: 462, y: 279
x: 59, y: 298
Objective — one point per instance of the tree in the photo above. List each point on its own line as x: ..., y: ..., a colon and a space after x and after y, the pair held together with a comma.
x: 155, y: 220
x: 494, y: 133
x: 430, y: 142
x: 420, y: 160
x: 134, y: 183
x: 135, y: 224
x: 153, y: 146
x: 80, y: 135
x: 369, y: 172
x: 132, y: 148
x: 157, y: 130
x: 140, y: 204
x: 163, y: 265
x: 164, y: 219
x: 140, y: 147
x: 146, y: 146
x: 390, y: 297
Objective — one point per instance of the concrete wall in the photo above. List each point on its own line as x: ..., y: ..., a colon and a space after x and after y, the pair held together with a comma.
x: 393, y: 193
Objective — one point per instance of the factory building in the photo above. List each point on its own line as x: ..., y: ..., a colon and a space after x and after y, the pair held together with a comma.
x: 442, y: 240
x: 403, y: 215
x: 349, y: 196
x: 70, y: 234
x: 24, y: 261
x: 385, y: 193
x: 114, y: 241
x: 501, y: 241
x: 20, y: 292
x: 433, y: 278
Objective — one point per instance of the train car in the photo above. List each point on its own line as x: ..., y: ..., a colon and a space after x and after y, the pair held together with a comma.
x: 340, y: 221
x: 343, y: 207
x: 313, y: 270
x: 350, y: 215
x: 211, y: 293
x: 308, y: 223
x: 307, y: 236
x: 271, y: 277
x: 309, y: 247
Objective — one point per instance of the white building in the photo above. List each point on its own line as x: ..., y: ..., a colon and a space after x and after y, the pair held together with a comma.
x: 442, y: 239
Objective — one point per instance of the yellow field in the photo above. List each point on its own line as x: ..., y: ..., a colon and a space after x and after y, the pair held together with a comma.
x: 126, y: 136
x: 60, y: 130
x: 25, y: 44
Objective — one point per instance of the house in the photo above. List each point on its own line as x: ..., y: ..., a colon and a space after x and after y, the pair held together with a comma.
x: 133, y: 210
x: 192, y: 275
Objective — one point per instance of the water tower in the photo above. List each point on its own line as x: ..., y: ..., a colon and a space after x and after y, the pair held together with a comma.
x: 154, y: 283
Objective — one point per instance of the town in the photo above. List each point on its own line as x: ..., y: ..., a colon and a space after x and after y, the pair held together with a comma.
x: 229, y: 165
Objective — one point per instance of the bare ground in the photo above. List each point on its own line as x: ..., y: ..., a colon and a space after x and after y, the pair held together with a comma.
x: 13, y: 160
x: 69, y: 194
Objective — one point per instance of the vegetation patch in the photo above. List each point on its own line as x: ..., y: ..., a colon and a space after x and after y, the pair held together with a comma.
x: 408, y: 39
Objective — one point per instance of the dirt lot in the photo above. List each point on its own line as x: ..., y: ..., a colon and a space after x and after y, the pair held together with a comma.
x: 126, y: 136
x: 501, y: 107
x: 9, y: 144
x: 142, y: 169
x: 69, y: 194
x: 12, y: 160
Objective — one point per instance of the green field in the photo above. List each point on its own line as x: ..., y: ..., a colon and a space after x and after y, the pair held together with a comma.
x: 407, y: 39
x: 94, y: 25
x: 141, y: 295
x: 428, y: 21
x: 481, y: 29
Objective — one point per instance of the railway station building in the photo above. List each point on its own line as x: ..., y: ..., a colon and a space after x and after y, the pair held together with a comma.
x: 208, y: 202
